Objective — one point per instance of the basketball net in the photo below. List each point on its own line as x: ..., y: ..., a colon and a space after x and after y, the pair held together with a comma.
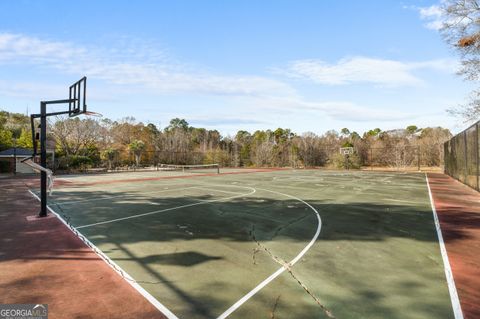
x: 38, y: 168
x: 90, y: 113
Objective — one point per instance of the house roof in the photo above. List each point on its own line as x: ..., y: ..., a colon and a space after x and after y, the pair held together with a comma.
x: 20, y: 152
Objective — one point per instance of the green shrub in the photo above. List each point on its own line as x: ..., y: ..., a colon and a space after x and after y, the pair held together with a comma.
x: 74, y: 162
x: 77, y: 161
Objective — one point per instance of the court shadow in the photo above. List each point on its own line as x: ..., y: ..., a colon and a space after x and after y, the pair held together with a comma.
x: 185, y: 259
x: 365, y: 216
x: 170, y: 218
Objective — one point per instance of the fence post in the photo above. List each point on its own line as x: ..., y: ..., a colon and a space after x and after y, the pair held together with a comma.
x: 466, y: 157
x: 371, y: 159
x: 446, y: 157
x: 476, y: 154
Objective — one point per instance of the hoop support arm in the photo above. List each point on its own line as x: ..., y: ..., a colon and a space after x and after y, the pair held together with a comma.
x: 50, y: 114
x: 64, y: 101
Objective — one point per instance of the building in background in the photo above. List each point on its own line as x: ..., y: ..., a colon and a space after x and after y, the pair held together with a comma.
x: 12, y: 160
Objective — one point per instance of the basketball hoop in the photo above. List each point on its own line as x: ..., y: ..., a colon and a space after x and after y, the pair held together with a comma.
x: 77, y: 104
x: 346, y: 150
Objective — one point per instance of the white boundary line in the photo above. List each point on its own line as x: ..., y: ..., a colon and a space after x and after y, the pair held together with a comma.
x: 115, y: 196
x: 215, y: 190
x: 265, y: 282
x: 157, y: 304
x: 253, y: 190
x: 457, y: 309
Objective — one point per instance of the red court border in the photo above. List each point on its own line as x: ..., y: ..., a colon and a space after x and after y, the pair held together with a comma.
x: 42, y: 261
x: 458, y: 210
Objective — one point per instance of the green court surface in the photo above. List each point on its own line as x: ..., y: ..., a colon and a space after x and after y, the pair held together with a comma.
x: 281, y: 244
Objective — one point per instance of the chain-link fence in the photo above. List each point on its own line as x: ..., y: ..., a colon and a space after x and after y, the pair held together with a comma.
x: 462, y: 156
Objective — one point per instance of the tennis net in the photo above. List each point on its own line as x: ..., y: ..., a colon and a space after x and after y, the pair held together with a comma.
x: 201, y: 169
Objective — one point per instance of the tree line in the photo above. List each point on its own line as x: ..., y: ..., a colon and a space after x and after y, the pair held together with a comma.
x: 86, y: 142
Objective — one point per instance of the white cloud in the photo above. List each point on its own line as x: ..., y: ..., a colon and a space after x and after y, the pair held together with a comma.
x: 381, y: 72
x: 16, y: 47
x: 250, y: 97
x: 348, y: 111
x: 433, y: 11
x: 433, y: 15
x: 220, y: 120
x: 29, y: 90
x: 49, y: 91
x: 449, y: 65
x: 147, y: 68
x: 335, y: 110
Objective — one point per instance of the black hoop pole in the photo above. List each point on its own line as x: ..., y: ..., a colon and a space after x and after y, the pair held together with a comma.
x: 43, y: 150
x: 43, y: 159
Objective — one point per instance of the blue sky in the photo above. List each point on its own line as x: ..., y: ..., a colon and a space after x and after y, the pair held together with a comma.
x: 230, y: 65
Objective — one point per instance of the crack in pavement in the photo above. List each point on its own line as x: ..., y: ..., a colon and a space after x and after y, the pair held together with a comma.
x: 287, y: 266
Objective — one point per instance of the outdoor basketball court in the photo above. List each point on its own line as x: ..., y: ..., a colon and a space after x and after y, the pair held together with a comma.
x: 278, y: 244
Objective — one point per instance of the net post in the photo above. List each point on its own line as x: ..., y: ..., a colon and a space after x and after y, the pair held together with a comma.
x: 43, y: 159
x: 418, y: 157
x: 218, y: 169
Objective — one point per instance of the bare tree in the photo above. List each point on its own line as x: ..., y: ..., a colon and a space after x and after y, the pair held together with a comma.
x: 311, y: 149
x: 461, y: 30
x: 430, y: 145
x: 74, y: 135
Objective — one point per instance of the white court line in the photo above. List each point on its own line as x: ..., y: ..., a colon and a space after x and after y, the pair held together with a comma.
x: 253, y: 190
x: 457, y: 309
x: 215, y: 190
x: 115, y: 196
x: 157, y: 304
x: 249, y: 295
x: 402, y: 200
